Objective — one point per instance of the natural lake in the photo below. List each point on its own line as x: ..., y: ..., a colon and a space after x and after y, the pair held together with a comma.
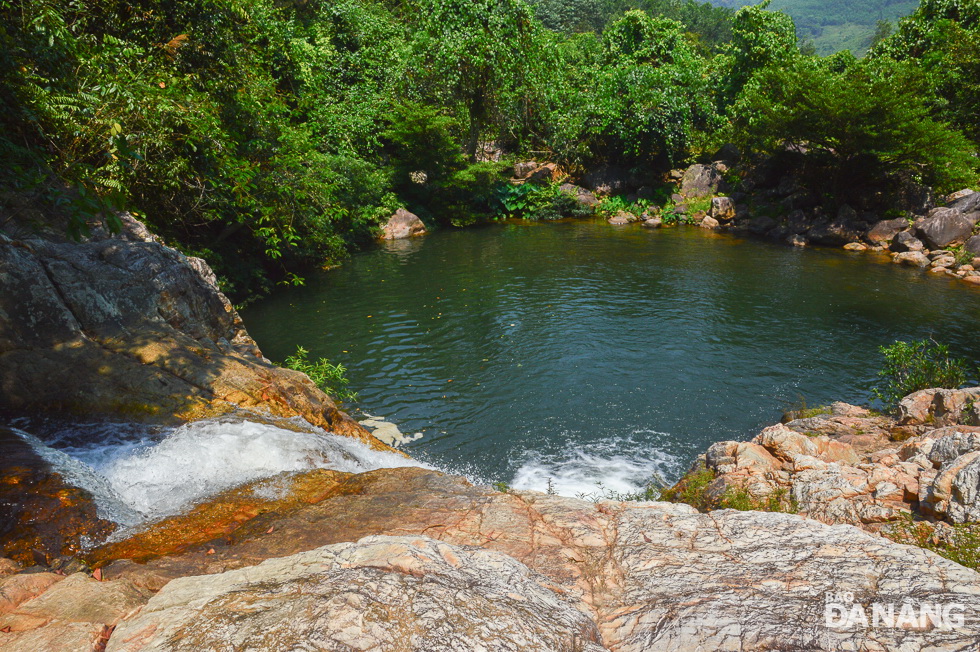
x: 587, y: 353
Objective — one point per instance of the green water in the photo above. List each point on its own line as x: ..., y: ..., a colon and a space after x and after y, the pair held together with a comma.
x: 588, y: 353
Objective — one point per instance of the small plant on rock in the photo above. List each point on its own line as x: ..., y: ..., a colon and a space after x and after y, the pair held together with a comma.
x: 692, y: 489
x: 958, y: 543
x: 331, y: 378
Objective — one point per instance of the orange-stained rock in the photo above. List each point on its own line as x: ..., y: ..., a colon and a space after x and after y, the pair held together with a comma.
x: 42, y: 517
x: 651, y: 576
x: 228, y: 517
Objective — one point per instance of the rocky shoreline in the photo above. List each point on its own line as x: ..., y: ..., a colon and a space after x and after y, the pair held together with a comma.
x: 414, y: 559
x: 771, y: 204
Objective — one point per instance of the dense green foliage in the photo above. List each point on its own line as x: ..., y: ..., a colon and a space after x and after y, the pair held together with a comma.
x: 272, y: 137
x: 854, y: 123
x: 942, y: 40
x: 922, y: 364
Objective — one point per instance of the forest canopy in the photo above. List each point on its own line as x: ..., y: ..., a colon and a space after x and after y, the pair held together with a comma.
x: 272, y: 137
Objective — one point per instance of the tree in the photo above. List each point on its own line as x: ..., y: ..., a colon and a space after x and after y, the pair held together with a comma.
x: 883, y: 29
x: 760, y: 39
x: 942, y: 37
x: 855, y: 122
x: 468, y: 52
x: 638, y: 96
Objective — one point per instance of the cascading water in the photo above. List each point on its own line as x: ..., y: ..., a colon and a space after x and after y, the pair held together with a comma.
x: 144, y: 476
x: 606, y: 468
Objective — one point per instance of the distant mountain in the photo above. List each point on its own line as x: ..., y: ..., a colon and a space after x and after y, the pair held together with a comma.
x: 836, y: 25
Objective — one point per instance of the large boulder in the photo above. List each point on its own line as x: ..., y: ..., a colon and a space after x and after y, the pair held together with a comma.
x: 761, y: 225
x: 609, y: 179
x: 904, y: 241
x: 942, y: 227
x: 144, y: 330
x: 580, y: 194
x: 722, y: 209
x: 381, y: 593
x: 967, y: 202
x: 911, y: 258
x: 940, y: 407
x: 524, y: 168
x: 973, y: 245
x: 545, y: 173
x: 886, y: 230
x: 834, y: 234
x: 402, y: 224
x: 702, y: 180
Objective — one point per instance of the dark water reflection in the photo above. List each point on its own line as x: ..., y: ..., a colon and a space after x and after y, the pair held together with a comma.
x: 584, y: 352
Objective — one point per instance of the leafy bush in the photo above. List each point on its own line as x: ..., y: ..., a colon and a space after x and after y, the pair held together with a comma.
x: 538, y: 202
x: 331, y: 378
x: 921, y: 364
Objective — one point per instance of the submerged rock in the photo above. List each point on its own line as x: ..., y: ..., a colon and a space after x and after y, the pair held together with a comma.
x: 42, y: 517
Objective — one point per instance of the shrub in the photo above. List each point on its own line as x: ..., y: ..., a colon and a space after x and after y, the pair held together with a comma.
x: 534, y: 202
x: 922, y: 364
x: 331, y: 378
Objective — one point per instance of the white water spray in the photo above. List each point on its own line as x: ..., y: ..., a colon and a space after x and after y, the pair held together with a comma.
x: 602, y: 469
x: 139, y: 482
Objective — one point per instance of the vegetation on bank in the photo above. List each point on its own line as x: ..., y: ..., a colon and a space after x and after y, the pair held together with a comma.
x: 920, y: 364
x: 272, y: 137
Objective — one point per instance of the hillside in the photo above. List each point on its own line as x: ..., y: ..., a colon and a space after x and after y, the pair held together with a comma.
x: 836, y: 25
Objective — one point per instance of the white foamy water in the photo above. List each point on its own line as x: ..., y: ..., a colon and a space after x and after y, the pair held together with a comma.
x: 134, y: 482
x: 599, y: 469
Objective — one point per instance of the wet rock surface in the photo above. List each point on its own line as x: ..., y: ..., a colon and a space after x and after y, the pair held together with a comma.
x: 42, y: 517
